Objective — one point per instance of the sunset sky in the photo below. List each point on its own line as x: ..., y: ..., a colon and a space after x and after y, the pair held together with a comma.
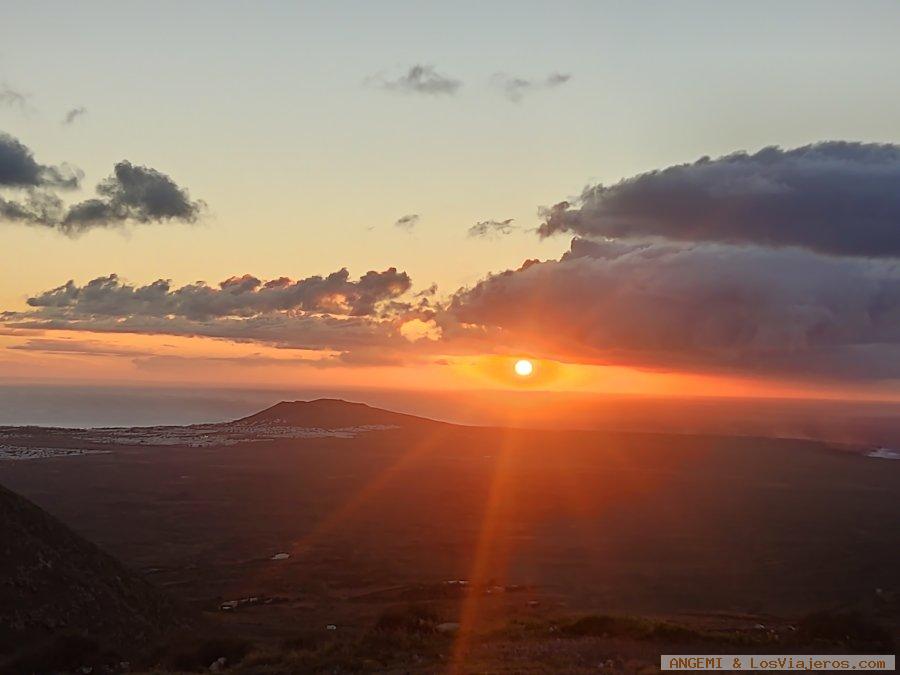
x: 414, y: 196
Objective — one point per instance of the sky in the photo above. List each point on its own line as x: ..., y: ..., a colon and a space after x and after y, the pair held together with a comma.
x: 452, y: 145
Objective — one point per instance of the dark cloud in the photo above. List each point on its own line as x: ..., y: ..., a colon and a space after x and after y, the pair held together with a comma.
x: 133, y: 193
x: 408, y: 222
x: 19, y: 169
x: 491, y: 228
x: 34, y: 182
x: 742, y: 309
x: 137, y: 194
x: 419, y: 79
x: 838, y: 198
x: 73, y: 115
x: 38, y: 207
x: 515, y: 88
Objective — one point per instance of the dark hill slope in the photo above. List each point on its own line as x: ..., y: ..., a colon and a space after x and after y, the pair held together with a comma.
x: 53, y: 583
x: 330, y: 413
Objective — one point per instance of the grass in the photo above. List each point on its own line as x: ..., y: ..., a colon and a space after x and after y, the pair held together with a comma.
x: 627, y: 626
x: 609, y: 626
x: 404, y: 639
x: 402, y: 636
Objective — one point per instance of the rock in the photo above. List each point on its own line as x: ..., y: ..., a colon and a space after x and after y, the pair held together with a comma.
x: 218, y: 665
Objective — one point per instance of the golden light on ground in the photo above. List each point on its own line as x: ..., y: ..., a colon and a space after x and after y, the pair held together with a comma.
x: 524, y: 368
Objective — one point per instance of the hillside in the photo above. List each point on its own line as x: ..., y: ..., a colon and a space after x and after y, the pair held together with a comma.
x: 329, y: 413
x: 57, y: 583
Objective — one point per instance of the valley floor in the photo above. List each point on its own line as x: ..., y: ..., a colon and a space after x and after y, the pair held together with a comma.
x: 274, y: 539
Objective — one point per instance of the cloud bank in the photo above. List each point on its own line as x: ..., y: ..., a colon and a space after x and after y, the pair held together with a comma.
x: 730, y: 266
x: 708, y: 307
x: 837, y: 198
x: 358, y: 318
x: 242, y: 296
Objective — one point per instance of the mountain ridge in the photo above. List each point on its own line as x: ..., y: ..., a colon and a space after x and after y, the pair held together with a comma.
x: 331, y: 413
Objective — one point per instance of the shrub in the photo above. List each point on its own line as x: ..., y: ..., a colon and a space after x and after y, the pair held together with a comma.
x: 308, y: 640
x: 599, y: 625
x: 850, y: 628
x: 60, y: 653
x: 199, y: 655
x: 415, y: 619
x: 604, y: 624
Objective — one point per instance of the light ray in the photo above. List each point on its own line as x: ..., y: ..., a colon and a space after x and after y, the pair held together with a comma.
x: 485, y: 557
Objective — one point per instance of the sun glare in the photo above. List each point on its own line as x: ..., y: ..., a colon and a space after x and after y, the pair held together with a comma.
x: 524, y: 368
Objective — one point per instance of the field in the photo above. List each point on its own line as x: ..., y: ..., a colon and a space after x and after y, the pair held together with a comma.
x: 513, y: 534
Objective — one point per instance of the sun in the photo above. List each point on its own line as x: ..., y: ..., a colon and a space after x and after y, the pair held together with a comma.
x: 524, y: 367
